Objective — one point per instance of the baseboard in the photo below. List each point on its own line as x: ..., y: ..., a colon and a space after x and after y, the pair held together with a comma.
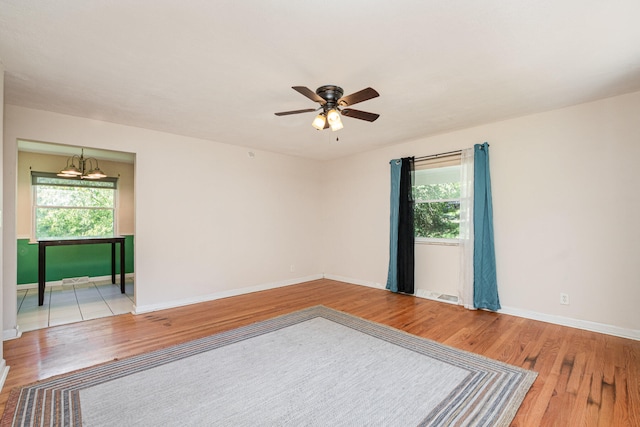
x: 59, y: 282
x: 4, y: 371
x: 355, y: 281
x: 11, y: 334
x: 225, y: 294
x: 586, y: 325
x: 602, y: 328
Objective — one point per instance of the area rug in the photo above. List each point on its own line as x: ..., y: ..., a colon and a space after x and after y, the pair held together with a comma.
x: 314, y: 367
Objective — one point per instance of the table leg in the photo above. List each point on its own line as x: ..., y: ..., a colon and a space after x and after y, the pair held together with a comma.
x: 41, y: 272
x: 122, y: 269
x: 113, y: 263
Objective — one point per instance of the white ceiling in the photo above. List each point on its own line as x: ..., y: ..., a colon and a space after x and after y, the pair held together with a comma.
x: 218, y: 70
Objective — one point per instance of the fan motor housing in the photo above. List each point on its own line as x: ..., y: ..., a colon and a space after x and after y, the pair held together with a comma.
x: 330, y: 93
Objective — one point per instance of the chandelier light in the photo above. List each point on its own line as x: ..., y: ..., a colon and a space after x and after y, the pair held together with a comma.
x: 84, y: 170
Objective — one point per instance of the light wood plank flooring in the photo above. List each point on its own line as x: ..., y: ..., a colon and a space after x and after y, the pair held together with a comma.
x: 585, y: 378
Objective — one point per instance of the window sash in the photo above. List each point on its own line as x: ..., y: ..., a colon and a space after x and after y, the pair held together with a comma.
x: 52, y: 180
x: 431, y: 177
x: 454, y: 159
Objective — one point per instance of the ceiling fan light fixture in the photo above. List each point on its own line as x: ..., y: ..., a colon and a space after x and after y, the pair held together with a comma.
x: 337, y: 125
x: 333, y: 117
x: 319, y: 122
x: 331, y: 99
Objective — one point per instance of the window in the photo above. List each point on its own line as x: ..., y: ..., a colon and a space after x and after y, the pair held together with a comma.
x: 436, y: 193
x: 71, y: 207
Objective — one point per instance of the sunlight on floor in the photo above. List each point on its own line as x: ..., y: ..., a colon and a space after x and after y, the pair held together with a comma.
x: 74, y: 303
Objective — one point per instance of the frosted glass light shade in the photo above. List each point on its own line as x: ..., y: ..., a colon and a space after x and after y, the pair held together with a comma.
x: 319, y: 122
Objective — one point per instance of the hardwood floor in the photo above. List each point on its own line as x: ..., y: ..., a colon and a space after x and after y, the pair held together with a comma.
x: 584, y: 378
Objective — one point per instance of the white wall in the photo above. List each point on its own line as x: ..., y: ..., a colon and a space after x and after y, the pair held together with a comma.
x: 3, y: 365
x: 210, y: 220
x: 566, y: 213
x: 566, y: 209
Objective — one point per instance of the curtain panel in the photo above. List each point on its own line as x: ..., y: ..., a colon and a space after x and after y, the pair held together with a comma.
x: 478, y: 280
x: 485, y: 284
x: 465, y: 288
x: 400, y: 277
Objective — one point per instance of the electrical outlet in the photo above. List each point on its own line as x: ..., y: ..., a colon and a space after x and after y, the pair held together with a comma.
x: 564, y: 299
x: 293, y: 268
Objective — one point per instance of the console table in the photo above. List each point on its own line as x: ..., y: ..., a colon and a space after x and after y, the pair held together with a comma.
x: 42, y: 258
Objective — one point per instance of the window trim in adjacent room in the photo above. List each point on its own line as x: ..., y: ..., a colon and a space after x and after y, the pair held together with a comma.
x: 52, y: 179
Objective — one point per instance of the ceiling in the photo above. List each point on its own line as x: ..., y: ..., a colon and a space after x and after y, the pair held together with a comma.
x: 69, y: 150
x: 218, y: 70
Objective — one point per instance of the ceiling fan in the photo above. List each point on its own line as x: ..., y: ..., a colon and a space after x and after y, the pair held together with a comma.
x: 332, y: 101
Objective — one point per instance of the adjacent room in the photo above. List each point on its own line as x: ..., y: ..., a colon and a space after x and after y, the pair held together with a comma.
x: 318, y: 209
x: 53, y: 206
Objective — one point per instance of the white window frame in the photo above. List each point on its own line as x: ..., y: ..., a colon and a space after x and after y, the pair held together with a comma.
x: 35, y: 206
x: 434, y: 163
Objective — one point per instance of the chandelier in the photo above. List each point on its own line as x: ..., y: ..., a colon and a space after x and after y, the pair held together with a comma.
x: 84, y: 170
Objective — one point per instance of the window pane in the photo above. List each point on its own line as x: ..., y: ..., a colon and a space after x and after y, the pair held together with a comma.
x: 437, y: 220
x: 69, y: 222
x: 437, y: 175
x: 449, y: 190
x: 74, y: 196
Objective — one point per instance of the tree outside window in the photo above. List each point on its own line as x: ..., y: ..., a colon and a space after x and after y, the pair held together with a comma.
x: 436, y: 193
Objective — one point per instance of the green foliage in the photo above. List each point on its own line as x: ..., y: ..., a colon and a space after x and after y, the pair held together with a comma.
x: 437, y: 210
x: 74, y: 196
x: 443, y: 191
x: 74, y: 212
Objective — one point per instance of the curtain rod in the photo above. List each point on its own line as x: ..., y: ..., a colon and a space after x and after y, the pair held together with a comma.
x: 433, y: 156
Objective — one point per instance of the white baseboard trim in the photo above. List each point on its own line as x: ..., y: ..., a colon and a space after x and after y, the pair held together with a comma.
x: 59, y: 282
x: 225, y: 294
x: 355, y: 281
x: 11, y: 334
x: 602, y: 328
x: 4, y: 371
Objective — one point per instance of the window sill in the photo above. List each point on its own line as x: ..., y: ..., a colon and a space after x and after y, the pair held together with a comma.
x: 437, y: 242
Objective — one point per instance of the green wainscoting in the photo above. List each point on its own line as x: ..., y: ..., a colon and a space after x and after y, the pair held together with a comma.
x: 71, y: 261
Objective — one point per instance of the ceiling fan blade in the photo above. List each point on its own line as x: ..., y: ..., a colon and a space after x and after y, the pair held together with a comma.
x: 286, y: 113
x: 359, y: 96
x: 362, y: 115
x: 309, y: 94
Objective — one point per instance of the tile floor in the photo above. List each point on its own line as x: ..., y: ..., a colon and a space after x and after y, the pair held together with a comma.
x: 72, y: 303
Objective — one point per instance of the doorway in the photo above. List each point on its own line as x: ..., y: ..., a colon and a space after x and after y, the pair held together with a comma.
x: 77, y: 287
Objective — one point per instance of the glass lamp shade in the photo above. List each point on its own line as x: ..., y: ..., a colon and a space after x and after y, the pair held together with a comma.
x: 333, y: 117
x: 337, y: 125
x: 95, y: 174
x: 319, y: 122
x: 70, y: 171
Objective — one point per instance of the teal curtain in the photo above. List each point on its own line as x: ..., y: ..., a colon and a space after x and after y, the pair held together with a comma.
x: 392, y: 275
x: 485, y: 284
x: 402, y: 237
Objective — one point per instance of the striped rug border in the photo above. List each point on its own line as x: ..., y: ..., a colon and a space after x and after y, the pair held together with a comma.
x: 490, y: 395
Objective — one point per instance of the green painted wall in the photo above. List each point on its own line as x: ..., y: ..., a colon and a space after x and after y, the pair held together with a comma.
x: 71, y: 261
